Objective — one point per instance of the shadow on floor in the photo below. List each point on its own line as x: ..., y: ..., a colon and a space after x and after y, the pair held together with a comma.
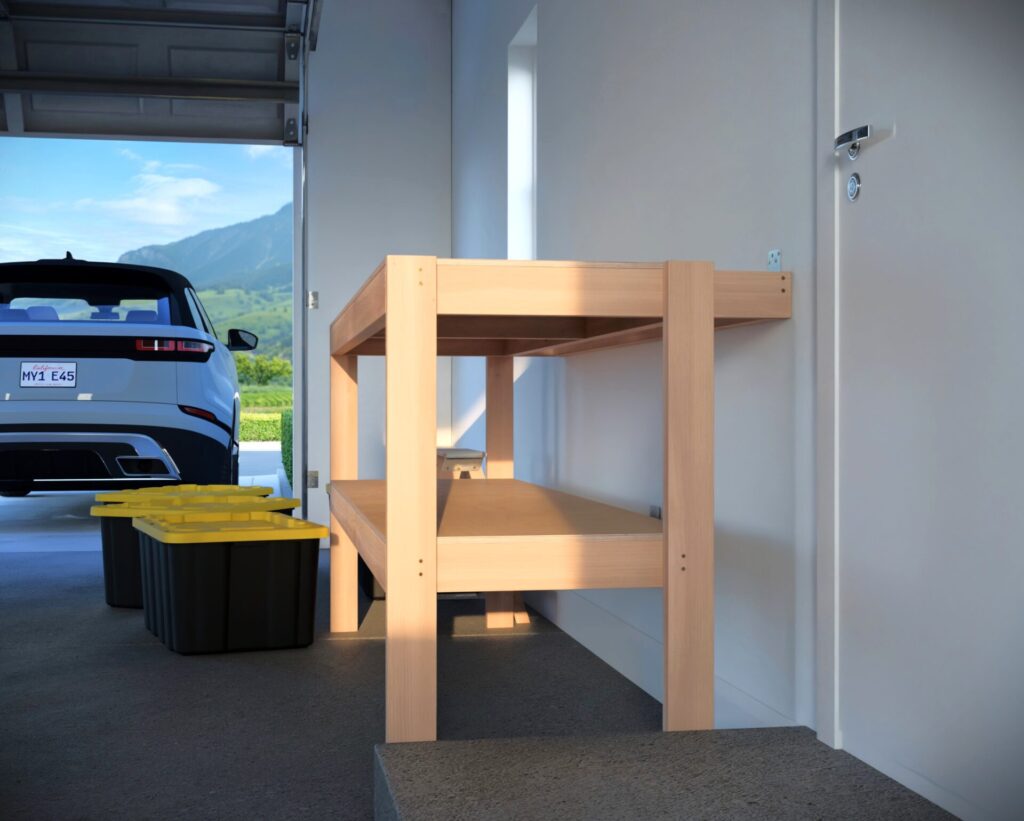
x: 99, y: 720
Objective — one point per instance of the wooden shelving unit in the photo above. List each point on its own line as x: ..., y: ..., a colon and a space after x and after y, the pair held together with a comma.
x: 421, y: 535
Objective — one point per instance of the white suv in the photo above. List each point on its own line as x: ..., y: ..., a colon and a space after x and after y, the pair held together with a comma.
x: 112, y: 376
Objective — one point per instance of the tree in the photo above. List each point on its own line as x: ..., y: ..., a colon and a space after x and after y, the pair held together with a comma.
x: 259, y: 369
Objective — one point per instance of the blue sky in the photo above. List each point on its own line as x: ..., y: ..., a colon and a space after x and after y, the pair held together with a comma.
x: 100, y: 198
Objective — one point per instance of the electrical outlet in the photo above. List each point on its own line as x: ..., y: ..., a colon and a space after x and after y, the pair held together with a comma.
x: 775, y: 259
x: 655, y: 511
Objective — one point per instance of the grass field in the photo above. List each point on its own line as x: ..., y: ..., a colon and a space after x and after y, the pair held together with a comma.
x: 266, y: 397
x: 260, y: 427
x: 262, y: 406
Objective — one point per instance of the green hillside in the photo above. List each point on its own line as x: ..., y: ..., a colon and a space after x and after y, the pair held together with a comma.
x: 266, y: 312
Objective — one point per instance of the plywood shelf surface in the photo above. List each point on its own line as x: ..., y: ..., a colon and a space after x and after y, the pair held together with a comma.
x: 503, y: 534
x: 503, y: 507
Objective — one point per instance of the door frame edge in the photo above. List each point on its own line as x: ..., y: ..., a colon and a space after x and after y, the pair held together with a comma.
x: 827, y: 378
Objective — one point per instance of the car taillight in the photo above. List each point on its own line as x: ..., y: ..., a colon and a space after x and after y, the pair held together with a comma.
x: 155, y: 345
x: 173, y: 345
x: 202, y: 414
x: 194, y: 346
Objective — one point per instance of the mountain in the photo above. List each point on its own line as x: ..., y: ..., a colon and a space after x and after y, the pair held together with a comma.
x: 255, y: 254
x: 243, y: 274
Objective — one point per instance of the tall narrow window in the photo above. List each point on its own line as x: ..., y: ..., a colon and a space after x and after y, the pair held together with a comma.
x: 522, y: 141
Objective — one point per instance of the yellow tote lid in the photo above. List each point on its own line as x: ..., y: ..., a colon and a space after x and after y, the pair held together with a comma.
x: 152, y: 505
x: 184, y: 490
x: 251, y: 526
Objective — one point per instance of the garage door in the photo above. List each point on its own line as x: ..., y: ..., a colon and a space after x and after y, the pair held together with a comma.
x: 192, y: 69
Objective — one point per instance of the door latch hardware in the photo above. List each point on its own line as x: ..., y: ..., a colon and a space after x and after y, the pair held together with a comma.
x: 312, y: 300
x: 851, y: 141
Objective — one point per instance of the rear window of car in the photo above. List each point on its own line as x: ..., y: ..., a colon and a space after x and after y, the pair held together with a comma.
x: 50, y: 297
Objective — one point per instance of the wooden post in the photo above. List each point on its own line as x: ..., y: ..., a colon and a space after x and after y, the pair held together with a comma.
x: 500, y: 465
x: 411, y: 430
x: 689, y: 507
x: 500, y: 459
x: 344, y: 465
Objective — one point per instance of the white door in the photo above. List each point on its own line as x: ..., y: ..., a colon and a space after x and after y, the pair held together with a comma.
x: 928, y: 670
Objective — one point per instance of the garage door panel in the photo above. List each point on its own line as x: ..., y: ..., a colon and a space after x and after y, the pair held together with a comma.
x: 92, y: 59
x: 247, y: 64
x: 80, y: 103
x: 218, y: 41
x: 109, y: 9
x: 213, y: 109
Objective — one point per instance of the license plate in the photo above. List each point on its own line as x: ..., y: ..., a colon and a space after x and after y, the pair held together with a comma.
x: 49, y: 374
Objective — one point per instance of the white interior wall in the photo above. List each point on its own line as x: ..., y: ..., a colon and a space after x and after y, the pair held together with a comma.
x: 649, y: 140
x: 378, y: 159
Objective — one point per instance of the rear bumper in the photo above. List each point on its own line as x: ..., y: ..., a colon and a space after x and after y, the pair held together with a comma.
x: 88, y: 457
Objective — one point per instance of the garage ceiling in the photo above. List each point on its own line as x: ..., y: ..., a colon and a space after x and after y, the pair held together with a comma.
x: 192, y: 69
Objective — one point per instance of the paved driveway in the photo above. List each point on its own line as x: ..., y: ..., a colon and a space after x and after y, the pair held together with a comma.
x: 60, y: 521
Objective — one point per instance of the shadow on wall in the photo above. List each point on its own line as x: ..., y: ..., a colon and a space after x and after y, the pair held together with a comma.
x: 750, y: 566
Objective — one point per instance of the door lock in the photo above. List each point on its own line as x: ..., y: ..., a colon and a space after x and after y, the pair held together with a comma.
x: 851, y: 141
x: 853, y: 187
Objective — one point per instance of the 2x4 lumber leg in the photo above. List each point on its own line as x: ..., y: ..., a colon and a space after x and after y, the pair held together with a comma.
x: 500, y: 462
x: 499, y: 610
x: 499, y: 399
x: 688, y: 509
x: 411, y: 425
x: 344, y: 465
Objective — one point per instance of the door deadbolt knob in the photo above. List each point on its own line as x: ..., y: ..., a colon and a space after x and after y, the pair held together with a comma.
x: 853, y: 187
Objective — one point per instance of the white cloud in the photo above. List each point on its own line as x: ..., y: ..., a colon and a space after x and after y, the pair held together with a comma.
x: 159, y: 199
x: 254, y: 152
x: 129, y: 154
x: 22, y: 242
x: 152, y: 166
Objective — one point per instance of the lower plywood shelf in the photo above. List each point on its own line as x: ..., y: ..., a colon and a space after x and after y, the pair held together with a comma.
x: 503, y: 534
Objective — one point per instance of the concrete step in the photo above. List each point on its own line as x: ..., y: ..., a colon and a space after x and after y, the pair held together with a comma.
x: 782, y: 772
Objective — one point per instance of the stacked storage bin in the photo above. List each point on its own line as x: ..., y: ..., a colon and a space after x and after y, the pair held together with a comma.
x: 121, y: 568
x: 216, y: 582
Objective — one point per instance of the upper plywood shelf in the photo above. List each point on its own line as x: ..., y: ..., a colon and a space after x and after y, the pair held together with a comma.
x: 551, y: 308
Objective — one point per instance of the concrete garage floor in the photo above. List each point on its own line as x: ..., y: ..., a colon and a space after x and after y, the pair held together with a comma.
x: 98, y: 720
